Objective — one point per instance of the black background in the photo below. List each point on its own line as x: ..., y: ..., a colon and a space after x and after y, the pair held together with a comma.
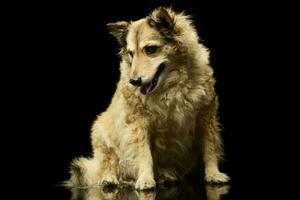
x: 65, y: 68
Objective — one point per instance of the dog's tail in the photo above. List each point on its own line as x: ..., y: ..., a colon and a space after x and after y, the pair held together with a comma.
x: 84, y: 172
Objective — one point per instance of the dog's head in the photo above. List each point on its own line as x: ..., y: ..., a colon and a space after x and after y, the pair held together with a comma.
x: 150, y: 45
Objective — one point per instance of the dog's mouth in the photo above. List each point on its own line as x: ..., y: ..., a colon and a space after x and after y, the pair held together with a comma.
x: 149, y: 87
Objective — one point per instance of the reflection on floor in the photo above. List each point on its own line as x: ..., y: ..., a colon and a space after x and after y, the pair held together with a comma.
x: 183, y: 191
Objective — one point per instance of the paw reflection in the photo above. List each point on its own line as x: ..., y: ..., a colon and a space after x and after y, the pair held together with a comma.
x: 215, y: 192
x: 183, y: 191
x: 151, y: 195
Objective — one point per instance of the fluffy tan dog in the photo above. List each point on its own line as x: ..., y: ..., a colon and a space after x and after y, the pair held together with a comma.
x: 162, y: 119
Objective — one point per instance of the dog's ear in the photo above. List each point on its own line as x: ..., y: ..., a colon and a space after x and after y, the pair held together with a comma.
x: 119, y: 30
x: 163, y: 19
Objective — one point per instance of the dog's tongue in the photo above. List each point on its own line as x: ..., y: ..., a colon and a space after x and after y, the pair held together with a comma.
x: 145, y: 89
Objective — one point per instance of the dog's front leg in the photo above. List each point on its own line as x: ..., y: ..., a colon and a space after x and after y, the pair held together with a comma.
x: 144, y: 161
x: 212, y: 145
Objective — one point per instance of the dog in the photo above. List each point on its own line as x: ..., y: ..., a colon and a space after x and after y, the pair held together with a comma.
x: 162, y: 119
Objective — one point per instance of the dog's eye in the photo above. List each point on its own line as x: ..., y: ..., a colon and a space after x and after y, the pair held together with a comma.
x: 151, y: 49
x: 130, y: 53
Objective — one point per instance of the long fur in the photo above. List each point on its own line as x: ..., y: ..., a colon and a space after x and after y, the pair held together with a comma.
x: 162, y: 135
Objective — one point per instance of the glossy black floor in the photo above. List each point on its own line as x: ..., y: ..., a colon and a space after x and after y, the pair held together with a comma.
x: 178, y: 192
x: 190, y: 190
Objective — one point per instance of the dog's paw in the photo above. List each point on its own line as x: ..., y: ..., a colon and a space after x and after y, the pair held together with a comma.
x: 216, y: 177
x: 145, y: 182
x: 168, y: 182
x: 167, y: 179
x: 109, y: 181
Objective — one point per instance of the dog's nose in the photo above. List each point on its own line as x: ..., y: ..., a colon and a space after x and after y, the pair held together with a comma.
x: 136, y: 81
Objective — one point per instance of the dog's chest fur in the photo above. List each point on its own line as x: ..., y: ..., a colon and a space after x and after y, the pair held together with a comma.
x: 171, y: 119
